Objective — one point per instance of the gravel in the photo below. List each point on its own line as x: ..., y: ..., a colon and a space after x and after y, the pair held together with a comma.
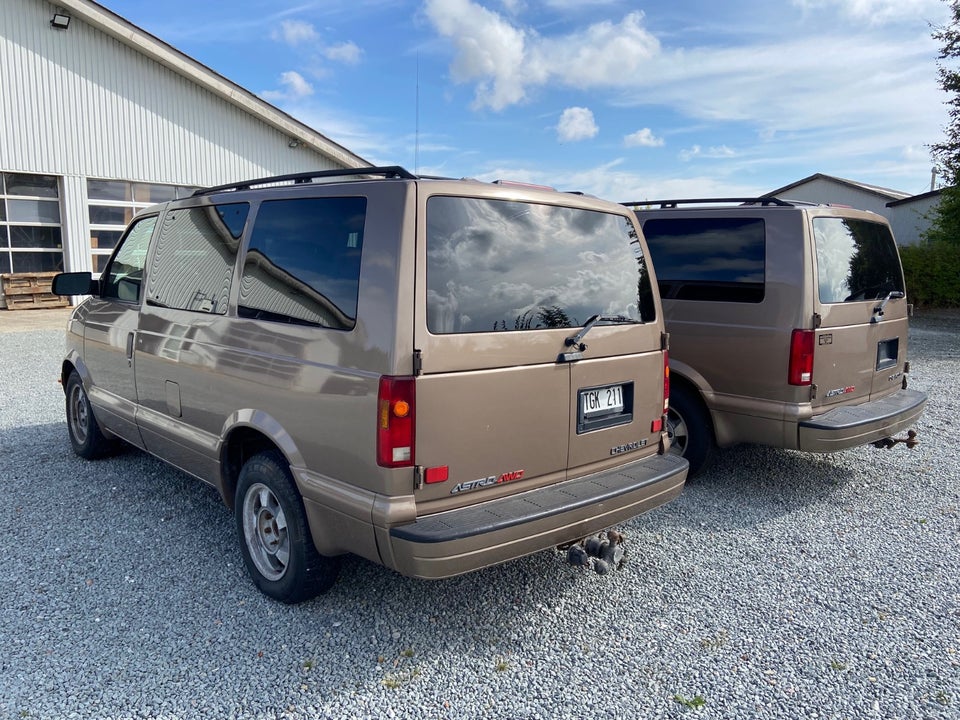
x: 779, y: 585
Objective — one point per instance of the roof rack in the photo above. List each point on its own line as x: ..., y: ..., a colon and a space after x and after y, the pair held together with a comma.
x: 711, y: 201
x: 392, y: 171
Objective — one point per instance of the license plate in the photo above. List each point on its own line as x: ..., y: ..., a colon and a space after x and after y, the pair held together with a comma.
x: 601, y: 401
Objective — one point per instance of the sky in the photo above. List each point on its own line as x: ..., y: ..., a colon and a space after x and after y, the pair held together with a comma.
x: 628, y: 101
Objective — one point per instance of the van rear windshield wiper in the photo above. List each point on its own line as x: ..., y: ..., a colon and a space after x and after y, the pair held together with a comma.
x: 575, y: 342
x: 878, y: 310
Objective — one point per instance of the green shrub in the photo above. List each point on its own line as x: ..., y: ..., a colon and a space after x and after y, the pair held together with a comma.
x: 932, y: 273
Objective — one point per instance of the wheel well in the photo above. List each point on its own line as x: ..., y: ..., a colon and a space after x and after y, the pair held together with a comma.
x: 241, y: 445
x: 679, y: 381
x: 66, y: 369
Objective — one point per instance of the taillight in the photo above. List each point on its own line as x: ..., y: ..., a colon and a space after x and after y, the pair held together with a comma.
x: 395, y: 421
x: 666, y: 381
x: 801, y: 358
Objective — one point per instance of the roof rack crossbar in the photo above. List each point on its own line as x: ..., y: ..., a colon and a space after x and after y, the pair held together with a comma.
x: 708, y: 201
x: 392, y: 171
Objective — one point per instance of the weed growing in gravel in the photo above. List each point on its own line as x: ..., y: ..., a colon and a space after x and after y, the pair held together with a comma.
x: 694, y: 703
x: 403, y: 671
x: 943, y: 698
x: 715, y: 642
x: 838, y: 665
x: 502, y: 665
x: 392, y: 681
x: 309, y: 664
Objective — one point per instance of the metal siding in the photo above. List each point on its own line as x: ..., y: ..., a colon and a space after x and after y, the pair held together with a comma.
x: 79, y: 102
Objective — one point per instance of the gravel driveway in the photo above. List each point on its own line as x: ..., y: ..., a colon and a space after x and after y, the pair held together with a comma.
x: 778, y: 585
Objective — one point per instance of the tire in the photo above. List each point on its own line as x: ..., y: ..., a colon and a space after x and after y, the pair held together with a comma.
x: 275, y: 539
x: 690, y: 429
x: 86, y: 437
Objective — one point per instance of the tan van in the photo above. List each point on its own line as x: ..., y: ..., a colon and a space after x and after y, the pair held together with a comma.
x: 787, y: 322
x: 436, y: 375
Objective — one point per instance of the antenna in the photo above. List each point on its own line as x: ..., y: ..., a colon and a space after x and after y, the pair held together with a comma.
x: 416, y: 142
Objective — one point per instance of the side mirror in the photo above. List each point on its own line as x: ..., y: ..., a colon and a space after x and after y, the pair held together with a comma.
x: 78, y: 283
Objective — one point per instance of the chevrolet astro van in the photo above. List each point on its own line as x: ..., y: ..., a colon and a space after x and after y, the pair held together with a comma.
x: 436, y: 375
x: 788, y: 325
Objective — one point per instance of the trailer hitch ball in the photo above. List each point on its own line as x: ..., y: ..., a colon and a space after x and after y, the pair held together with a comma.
x: 910, y: 441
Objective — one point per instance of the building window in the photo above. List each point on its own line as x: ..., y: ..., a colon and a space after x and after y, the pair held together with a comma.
x: 112, y: 204
x: 30, y: 236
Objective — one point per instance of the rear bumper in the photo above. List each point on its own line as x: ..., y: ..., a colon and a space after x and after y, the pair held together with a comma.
x: 846, y: 427
x: 458, y: 541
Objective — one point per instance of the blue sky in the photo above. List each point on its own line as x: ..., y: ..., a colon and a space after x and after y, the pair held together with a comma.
x: 625, y: 100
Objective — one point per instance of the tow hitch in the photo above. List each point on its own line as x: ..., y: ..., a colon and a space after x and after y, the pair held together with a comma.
x: 910, y: 441
x: 601, y: 553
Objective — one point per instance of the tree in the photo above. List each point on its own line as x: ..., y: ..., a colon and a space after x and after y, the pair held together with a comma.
x: 946, y: 154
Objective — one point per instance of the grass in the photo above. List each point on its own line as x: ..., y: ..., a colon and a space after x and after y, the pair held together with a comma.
x: 716, y: 641
x: 393, y: 680
x: 694, y: 703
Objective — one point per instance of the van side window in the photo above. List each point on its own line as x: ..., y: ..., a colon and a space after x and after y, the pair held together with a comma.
x: 303, y: 262
x: 857, y: 260
x: 195, y: 257
x: 709, y: 259
x: 502, y: 266
x: 124, y: 274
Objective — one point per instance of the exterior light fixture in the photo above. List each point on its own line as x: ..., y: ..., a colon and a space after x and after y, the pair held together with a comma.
x: 294, y: 143
x: 60, y: 21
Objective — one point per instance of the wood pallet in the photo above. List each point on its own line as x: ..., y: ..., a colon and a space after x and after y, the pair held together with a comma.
x: 30, y: 291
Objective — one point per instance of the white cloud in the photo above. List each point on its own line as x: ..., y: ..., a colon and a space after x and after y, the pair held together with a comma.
x: 489, y: 50
x: 295, y: 32
x: 294, y: 88
x: 345, y: 52
x: 696, y: 151
x: 506, y: 61
x: 873, y: 11
x: 576, y: 123
x: 643, y: 138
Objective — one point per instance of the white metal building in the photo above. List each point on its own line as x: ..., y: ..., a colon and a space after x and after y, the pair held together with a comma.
x: 98, y: 119
x: 907, y: 214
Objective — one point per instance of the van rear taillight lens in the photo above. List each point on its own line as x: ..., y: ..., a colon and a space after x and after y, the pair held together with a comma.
x: 395, y: 422
x: 666, y: 381
x: 801, y: 358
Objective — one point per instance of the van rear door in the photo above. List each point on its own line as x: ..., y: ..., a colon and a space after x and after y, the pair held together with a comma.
x: 507, y: 399
x: 860, y: 346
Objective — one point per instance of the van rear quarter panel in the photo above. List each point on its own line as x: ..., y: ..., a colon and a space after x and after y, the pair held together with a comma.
x: 741, y: 350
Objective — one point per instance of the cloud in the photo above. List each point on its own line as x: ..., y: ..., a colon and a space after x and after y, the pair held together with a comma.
x: 874, y: 12
x: 345, y: 52
x: 506, y: 61
x: 576, y: 123
x: 696, y: 151
x: 294, y: 88
x: 295, y: 32
x: 643, y: 138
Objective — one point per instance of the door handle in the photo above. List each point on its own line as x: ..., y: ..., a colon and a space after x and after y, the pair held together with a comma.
x: 130, y: 350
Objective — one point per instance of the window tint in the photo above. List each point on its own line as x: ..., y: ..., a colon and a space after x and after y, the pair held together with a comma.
x: 125, y: 271
x: 196, y: 252
x: 497, y: 265
x: 857, y: 260
x: 709, y: 259
x: 303, y: 262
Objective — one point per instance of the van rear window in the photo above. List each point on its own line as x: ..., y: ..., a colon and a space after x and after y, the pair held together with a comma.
x: 710, y: 259
x: 857, y: 260
x: 500, y: 266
